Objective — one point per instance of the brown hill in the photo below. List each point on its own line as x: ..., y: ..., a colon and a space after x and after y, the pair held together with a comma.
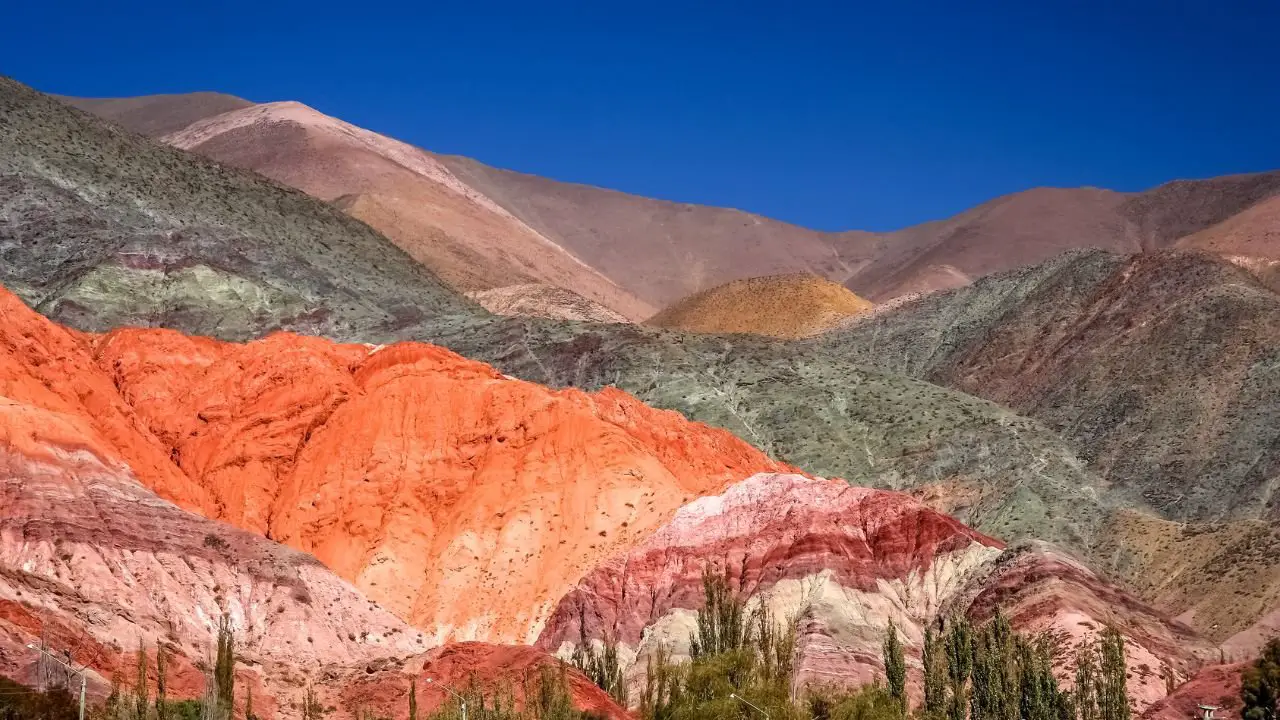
x: 156, y: 115
x: 782, y: 306
x: 544, y: 301
x: 1011, y: 231
x: 1252, y: 233
x: 465, y: 238
x: 1159, y: 369
x: 644, y: 253
x: 659, y: 250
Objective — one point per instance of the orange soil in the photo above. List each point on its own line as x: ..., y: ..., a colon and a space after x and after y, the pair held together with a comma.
x: 464, y: 501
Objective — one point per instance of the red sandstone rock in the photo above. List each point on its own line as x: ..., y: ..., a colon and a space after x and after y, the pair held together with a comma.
x: 845, y: 561
x: 94, y: 562
x: 1043, y: 590
x: 1215, y: 685
x: 492, y: 668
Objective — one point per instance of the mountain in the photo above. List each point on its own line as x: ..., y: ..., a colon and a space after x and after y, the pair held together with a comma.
x: 662, y: 251
x: 1255, y: 232
x: 638, y: 254
x: 845, y: 562
x: 382, y: 462
x: 157, y: 115
x: 1160, y: 371
x: 461, y: 500
x: 819, y: 411
x: 781, y: 306
x: 104, y: 228
x: 464, y: 237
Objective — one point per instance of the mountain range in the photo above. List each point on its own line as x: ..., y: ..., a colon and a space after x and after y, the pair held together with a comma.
x: 394, y: 410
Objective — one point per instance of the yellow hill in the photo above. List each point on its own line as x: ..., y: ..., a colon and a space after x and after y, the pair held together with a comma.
x: 781, y: 306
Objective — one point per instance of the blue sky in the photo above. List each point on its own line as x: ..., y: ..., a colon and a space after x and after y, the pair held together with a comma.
x: 830, y: 115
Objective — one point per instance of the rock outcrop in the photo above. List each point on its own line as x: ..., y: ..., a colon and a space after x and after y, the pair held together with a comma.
x: 464, y: 501
x: 94, y: 563
x: 844, y: 562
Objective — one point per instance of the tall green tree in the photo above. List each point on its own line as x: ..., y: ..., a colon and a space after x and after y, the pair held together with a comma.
x: 935, y: 677
x: 1086, y: 690
x: 162, y: 683
x: 224, y: 669
x: 722, y: 625
x: 141, y: 701
x: 1260, y: 685
x: 413, y: 699
x: 603, y: 666
x: 959, y: 652
x: 995, y: 694
x: 248, y: 704
x: 1113, y: 689
x: 895, y: 666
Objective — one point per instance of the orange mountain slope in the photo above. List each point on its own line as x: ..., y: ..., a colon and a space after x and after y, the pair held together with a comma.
x: 464, y: 501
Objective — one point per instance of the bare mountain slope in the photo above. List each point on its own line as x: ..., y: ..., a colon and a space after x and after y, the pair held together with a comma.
x: 156, y: 115
x: 1252, y: 233
x: 1011, y: 231
x: 471, y: 242
x: 102, y: 227
x: 544, y: 301
x: 781, y: 306
x: 657, y: 251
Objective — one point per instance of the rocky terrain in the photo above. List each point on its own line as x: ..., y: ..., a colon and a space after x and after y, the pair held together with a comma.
x: 1108, y: 416
x: 657, y: 252
x: 544, y: 301
x: 465, y: 238
x: 780, y: 306
x: 843, y: 562
x: 104, y: 228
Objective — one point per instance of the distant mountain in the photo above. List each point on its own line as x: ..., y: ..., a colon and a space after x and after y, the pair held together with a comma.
x: 781, y: 306
x: 636, y: 254
x: 156, y: 115
x: 464, y: 237
x: 1161, y: 371
x: 105, y: 228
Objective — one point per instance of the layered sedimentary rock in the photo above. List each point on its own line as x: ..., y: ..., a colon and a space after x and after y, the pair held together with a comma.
x: 843, y: 562
x: 465, y: 501
x: 94, y: 563
x: 1044, y: 591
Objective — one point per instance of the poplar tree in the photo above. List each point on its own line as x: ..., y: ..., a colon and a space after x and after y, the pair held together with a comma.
x: 1113, y: 693
x: 1086, y: 691
x: 162, y: 681
x: 895, y: 666
x: 959, y: 652
x: 935, y: 677
x: 413, y: 699
x: 140, y: 700
x: 224, y: 670
x: 1260, y: 685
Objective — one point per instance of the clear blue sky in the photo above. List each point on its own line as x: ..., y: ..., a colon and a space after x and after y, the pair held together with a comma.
x: 831, y: 115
